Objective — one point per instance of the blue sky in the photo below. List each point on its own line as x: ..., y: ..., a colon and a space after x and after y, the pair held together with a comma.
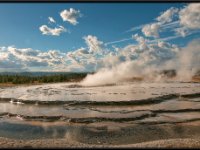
x: 109, y: 22
x: 20, y: 23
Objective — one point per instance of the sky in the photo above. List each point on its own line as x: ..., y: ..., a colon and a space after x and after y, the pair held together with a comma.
x: 90, y: 36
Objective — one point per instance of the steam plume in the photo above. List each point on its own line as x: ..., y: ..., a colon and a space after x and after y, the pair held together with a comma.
x: 185, y: 61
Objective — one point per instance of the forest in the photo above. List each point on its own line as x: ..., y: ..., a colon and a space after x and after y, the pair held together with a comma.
x: 49, y: 78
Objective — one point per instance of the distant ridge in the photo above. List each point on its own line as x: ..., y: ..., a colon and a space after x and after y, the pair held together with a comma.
x: 40, y: 73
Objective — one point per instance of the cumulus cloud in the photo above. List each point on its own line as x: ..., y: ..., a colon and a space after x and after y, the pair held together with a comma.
x: 141, y: 40
x: 8, y: 62
x: 190, y: 16
x: 84, y: 59
x: 52, y: 31
x: 27, y: 58
x: 70, y: 15
x: 94, y: 45
x: 189, y: 20
x: 183, y: 22
x: 167, y: 16
x: 51, y: 20
x: 151, y: 30
x: 163, y: 21
x: 82, y: 51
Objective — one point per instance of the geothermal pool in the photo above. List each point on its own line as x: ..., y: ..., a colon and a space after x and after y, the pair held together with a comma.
x: 55, y: 110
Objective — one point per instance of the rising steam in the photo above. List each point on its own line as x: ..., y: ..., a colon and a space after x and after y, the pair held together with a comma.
x: 185, y: 62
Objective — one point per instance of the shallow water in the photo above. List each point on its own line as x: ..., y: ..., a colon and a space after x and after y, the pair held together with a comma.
x: 65, y: 106
x: 120, y: 92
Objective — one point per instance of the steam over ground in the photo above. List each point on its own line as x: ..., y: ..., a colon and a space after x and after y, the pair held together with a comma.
x: 185, y: 61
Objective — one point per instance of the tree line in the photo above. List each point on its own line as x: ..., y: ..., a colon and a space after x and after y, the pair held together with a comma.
x: 25, y: 79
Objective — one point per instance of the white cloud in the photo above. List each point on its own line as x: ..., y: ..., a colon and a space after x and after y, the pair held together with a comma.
x: 51, y: 19
x: 82, y: 51
x: 94, y: 45
x: 190, y: 16
x: 71, y: 15
x: 144, y: 53
x: 151, y: 30
x: 182, y: 31
x: 137, y: 59
x: 8, y: 62
x: 170, y: 25
x: 164, y: 22
x: 21, y: 59
x: 83, y: 59
x: 167, y: 16
x: 78, y: 55
x: 182, y: 21
x: 52, y: 31
x: 141, y: 40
